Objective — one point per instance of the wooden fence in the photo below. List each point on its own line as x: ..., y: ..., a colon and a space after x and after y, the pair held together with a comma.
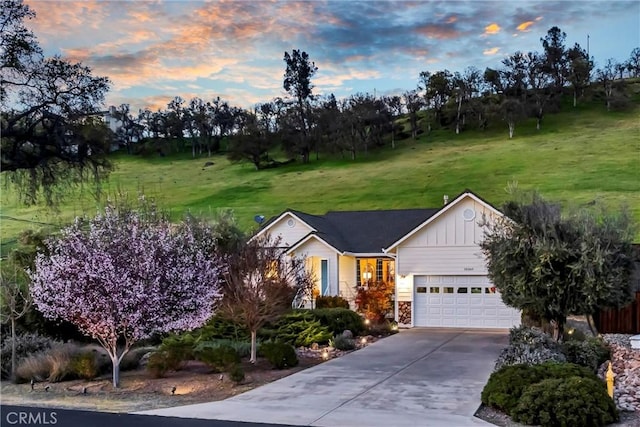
x: 622, y: 321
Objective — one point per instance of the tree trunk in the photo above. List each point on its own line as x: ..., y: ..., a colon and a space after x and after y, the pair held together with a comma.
x: 538, y: 123
x: 115, y: 361
x: 592, y: 326
x: 253, y: 347
x: 512, y: 127
x: 575, y: 98
x: 13, y: 348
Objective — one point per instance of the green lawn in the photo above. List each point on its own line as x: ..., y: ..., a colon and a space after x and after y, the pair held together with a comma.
x: 578, y: 156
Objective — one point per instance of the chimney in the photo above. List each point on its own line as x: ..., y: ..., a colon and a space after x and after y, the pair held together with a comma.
x: 445, y: 199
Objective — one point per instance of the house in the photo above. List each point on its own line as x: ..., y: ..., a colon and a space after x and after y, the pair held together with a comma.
x: 431, y: 255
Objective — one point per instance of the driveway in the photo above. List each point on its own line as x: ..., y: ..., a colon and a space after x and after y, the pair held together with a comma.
x: 419, y: 377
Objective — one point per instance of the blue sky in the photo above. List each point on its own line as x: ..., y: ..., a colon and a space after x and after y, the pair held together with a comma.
x: 156, y: 50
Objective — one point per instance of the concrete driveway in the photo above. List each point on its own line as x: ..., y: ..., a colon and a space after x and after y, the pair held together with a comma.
x: 419, y: 377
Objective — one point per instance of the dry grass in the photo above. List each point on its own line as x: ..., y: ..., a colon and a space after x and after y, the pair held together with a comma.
x: 52, y: 365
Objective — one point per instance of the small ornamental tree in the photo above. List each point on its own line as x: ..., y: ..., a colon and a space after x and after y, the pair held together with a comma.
x: 260, y: 284
x: 554, y: 266
x: 375, y: 300
x: 127, y: 274
x: 15, y: 301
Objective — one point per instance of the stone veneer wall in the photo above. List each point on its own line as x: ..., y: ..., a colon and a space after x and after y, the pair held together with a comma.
x: 404, y: 312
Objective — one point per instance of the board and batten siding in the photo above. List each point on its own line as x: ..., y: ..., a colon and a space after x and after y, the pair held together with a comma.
x: 451, y: 229
x: 315, y: 251
x: 290, y: 229
x: 347, y: 277
x: 449, y: 245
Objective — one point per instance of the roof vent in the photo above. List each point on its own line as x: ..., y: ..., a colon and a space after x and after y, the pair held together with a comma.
x: 445, y: 199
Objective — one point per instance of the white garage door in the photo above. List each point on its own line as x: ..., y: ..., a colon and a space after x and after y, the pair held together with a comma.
x: 460, y: 301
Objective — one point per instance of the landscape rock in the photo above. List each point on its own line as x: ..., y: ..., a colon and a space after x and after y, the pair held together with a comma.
x: 347, y: 333
x: 625, y: 363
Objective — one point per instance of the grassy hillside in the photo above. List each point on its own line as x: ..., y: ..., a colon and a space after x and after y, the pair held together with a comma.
x: 578, y: 156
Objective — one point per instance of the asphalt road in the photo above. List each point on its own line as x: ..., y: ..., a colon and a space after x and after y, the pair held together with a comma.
x: 33, y: 416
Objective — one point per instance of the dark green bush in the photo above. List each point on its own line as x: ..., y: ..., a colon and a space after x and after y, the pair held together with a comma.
x: 180, y: 347
x: 219, y: 327
x: 298, y: 328
x: 590, y: 353
x: 331, y: 302
x: 280, y: 355
x: 218, y: 357
x: 337, y: 320
x: 236, y: 374
x: 505, y: 386
x: 566, y: 402
x: 574, y: 335
x: 84, y: 365
x: 385, y: 328
x: 343, y: 343
x: 162, y: 362
x: 243, y: 348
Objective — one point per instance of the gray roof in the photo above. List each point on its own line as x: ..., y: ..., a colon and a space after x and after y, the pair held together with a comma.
x: 365, y: 231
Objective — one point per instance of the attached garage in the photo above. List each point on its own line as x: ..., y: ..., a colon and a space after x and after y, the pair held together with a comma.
x: 460, y: 301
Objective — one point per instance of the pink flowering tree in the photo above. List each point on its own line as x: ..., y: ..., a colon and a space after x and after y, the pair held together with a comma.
x: 127, y: 274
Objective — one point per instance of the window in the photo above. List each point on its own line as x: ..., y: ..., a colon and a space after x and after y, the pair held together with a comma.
x: 447, y: 290
x: 434, y: 290
x: 463, y: 290
x: 421, y: 290
x: 491, y: 290
x: 476, y: 290
x: 379, y: 269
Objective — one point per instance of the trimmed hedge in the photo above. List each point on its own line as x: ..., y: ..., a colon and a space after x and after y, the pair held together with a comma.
x: 566, y: 402
x: 506, y: 386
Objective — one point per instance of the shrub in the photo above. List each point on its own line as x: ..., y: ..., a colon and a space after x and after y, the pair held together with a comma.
x: 375, y: 301
x: 531, y: 336
x: 54, y: 364
x: 26, y: 345
x: 179, y: 347
x: 222, y: 328
x: 343, y: 343
x: 505, y: 386
x: 161, y: 362
x: 243, y: 348
x: 280, y: 355
x: 574, y: 335
x: 385, y: 328
x: 585, y: 353
x: 331, y: 302
x: 218, y: 357
x: 84, y: 365
x: 574, y: 401
x: 236, y: 374
x: 337, y: 320
x: 516, y: 354
x: 131, y: 360
x: 298, y: 328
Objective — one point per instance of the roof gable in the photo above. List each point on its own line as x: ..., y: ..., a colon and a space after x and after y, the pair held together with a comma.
x: 442, y: 211
x: 369, y: 232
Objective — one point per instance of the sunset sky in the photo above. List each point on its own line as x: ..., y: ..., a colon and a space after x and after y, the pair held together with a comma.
x: 155, y: 50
